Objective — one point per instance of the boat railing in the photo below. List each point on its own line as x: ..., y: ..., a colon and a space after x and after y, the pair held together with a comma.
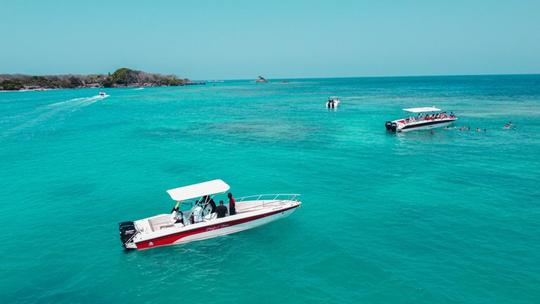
x: 256, y: 200
x: 269, y: 198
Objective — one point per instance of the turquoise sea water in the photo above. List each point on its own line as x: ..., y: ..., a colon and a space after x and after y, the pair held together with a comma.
x: 449, y: 217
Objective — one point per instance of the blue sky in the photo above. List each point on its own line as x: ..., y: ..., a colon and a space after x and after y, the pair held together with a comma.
x: 243, y: 39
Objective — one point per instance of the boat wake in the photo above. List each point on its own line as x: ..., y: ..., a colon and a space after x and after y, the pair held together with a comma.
x: 44, y: 113
x: 78, y: 102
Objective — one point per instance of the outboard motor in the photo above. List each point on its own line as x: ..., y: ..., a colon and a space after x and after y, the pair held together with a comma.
x: 391, y: 126
x: 127, y: 231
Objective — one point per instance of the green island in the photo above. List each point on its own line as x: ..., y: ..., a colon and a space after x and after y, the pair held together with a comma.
x: 121, y: 78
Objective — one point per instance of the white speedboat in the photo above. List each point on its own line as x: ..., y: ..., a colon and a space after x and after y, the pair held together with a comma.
x: 332, y: 102
x: 425, y: 118
x: 193, y: 221
x: 103, y: 94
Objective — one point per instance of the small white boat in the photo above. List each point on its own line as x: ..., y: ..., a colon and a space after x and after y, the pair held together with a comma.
x: 333, y: 102
x: 194, y: 221
x: 425, y: 118
x: 103, y: 94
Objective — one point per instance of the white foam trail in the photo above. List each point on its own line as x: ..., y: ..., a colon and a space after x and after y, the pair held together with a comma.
x: 44, y: 113
x: 78, y: 101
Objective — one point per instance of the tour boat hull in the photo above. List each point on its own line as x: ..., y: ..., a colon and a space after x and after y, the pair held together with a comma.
x: 422, y: 120
x: 426, y: 126
x: 399, y: 126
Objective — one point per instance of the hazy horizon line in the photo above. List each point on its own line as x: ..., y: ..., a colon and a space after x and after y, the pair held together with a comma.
x: 379, y: 76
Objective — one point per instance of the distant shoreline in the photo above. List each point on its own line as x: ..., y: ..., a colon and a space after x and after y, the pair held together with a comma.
x: 118, y: 87
x: 121, y: 78
x: 118, y: 80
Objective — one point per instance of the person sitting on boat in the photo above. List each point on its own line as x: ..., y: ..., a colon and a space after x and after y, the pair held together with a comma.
x: 176, y: 215
x: 232, y: 204
x: 196, y: 214
x: 221, y: 210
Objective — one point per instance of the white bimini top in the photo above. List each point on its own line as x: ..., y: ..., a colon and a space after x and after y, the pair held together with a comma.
x: 198, y: 190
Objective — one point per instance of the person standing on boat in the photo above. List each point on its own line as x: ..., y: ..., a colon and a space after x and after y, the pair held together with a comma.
x: 232, y: 204
x: 221, y: 210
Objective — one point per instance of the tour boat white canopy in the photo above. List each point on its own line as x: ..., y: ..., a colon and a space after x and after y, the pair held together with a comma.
x: 422, y: 110
x: 198, y: 190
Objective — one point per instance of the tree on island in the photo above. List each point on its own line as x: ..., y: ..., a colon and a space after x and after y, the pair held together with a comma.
x: 11, y: 85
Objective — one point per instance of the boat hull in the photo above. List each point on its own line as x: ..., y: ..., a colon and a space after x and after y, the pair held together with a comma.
x: 428, y: 126
x: 215, y: 229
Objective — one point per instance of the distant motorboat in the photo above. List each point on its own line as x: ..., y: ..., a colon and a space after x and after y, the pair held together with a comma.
x: 426, y: 118
x: 103, y: 94
x: 508, y: 126
x: 332, y: 102
x: 261, y: 79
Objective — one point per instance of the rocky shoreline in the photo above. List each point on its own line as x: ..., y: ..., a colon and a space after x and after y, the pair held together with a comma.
x: 121, y: 78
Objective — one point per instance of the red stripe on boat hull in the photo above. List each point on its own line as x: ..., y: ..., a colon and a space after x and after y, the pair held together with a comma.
x: 172, y: 238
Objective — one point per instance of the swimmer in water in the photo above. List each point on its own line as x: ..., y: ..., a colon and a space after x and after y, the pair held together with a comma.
x: 509, y: 125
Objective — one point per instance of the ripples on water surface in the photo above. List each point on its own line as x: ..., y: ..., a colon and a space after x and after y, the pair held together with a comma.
x: 449, y: 217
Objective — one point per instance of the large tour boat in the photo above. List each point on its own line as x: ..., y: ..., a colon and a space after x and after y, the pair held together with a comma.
x: 194, y: 220
x: 424, y: 118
